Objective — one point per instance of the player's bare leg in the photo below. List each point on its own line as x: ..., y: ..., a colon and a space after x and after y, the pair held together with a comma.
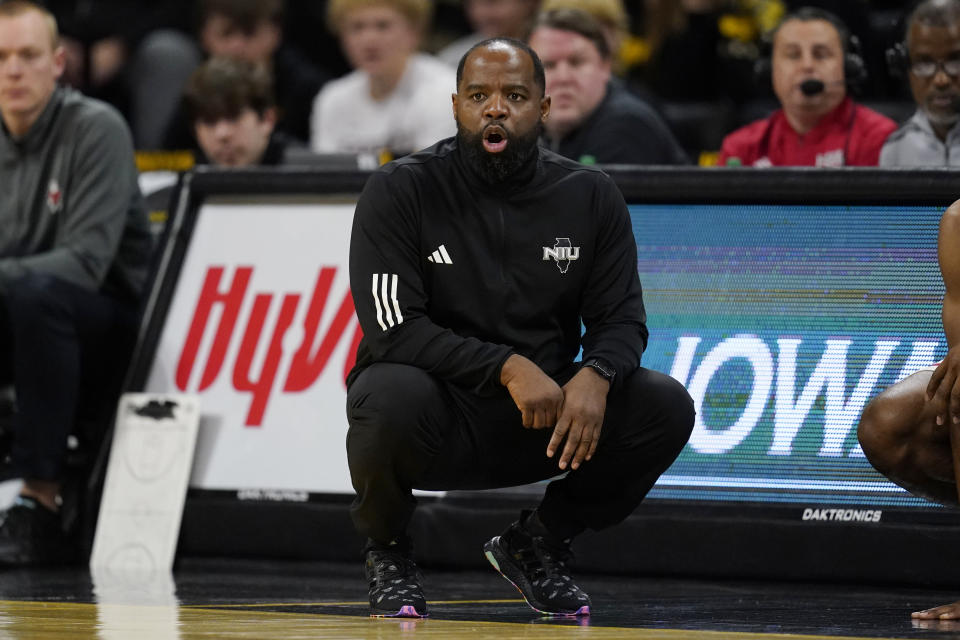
x: 900, y: 436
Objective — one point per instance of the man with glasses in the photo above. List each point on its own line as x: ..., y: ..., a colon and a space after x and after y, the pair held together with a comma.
x: 930, y: 137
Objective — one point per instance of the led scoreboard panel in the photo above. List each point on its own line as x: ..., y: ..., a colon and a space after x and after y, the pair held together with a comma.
x: 782, y: 300
x: 783, y: 321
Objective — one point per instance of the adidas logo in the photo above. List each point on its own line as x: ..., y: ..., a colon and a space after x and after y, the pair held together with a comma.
x: 440, y: 256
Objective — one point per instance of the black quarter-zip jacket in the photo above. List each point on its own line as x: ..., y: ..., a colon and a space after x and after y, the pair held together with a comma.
x: 453, y: 275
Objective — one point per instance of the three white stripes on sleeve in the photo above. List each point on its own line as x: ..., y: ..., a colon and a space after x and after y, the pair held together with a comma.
x: 388, y: 309
x: 385, y: 298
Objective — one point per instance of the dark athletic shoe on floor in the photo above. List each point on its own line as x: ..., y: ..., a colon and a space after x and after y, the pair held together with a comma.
x: 31, y: 534
x: 394, y: 579
x: 536, y: 566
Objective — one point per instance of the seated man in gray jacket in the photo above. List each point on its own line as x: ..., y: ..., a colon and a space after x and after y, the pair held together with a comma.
x: 931, y: 60
x: 74, y: 248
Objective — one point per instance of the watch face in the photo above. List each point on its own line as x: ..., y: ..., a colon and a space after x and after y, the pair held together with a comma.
x: 604, y: 370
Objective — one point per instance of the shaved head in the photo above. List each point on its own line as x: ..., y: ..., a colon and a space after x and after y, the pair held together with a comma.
x: 493, y: 44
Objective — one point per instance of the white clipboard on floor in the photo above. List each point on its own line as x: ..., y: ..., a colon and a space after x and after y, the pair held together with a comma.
x: 146, y: 483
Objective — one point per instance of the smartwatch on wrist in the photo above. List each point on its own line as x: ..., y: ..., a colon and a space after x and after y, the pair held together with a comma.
x: 603, y: 368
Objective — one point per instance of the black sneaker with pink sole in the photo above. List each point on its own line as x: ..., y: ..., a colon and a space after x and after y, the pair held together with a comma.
x: 537, y: 566
x: 394, y: 580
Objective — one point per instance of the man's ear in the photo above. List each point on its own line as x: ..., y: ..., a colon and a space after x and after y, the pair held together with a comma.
x: 269, y: 117
x: 59, y: 60
x: 276, y: 37
x: 606, y: 68
x: 544, y: 108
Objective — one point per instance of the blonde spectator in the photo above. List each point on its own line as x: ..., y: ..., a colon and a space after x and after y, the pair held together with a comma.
x: 396, y: 98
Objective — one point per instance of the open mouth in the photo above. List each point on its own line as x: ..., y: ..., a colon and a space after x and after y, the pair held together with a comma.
x: 494, y: 139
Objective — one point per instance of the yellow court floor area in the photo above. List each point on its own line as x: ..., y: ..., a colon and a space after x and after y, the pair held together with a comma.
x: 270, y: 600
x: 65, y: 621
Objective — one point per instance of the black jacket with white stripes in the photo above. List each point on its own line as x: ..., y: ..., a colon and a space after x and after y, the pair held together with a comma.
x: 453, y: 275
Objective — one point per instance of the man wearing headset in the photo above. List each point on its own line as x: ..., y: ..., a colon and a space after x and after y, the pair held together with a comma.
x: 818, y: 124
x: 931, y: 60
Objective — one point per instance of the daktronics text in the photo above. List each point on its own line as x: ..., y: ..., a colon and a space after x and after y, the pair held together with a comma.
x: 843, y: 515
x: 308, y: 362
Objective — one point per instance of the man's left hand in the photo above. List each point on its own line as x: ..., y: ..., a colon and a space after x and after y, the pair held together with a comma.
x: 581, y: 418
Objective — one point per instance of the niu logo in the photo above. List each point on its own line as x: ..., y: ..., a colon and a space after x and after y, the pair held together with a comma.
x: 307, y: 363
x: 563, y: 252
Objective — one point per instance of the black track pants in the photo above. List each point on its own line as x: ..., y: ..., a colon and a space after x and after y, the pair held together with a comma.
x: 409, y: 430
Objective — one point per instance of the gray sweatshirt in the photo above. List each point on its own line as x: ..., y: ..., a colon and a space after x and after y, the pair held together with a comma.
x: 70, y: 205
x: 915, y: 144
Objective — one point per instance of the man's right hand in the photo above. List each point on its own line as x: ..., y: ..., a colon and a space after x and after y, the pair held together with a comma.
x: 535, y: 393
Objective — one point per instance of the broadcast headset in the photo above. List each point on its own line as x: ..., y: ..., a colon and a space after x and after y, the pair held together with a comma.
x: 898, y: 55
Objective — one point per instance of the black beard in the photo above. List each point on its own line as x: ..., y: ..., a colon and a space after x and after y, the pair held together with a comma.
x: 495, y: 168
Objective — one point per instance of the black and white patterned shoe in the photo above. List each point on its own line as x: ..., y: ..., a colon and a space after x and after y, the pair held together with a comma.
x: 536, y: 566
x: 394, y: 580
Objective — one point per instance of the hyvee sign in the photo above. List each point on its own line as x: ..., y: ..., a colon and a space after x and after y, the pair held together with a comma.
x: 262, y: 326
x: 308, y: 361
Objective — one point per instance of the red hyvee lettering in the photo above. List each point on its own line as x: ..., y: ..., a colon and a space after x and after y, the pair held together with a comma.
x: 306, y: 365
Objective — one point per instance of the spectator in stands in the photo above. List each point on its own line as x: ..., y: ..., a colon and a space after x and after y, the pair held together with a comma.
x: 491, y: 19
x: 611, y: 15
x: 251, y: 30
x: 73, y: 262
x: 867, y: 21
x: 593, y: 118
x: 932, y: 61
x: 234, y: 115
x: 818, y: 123
x: 395, y: 98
